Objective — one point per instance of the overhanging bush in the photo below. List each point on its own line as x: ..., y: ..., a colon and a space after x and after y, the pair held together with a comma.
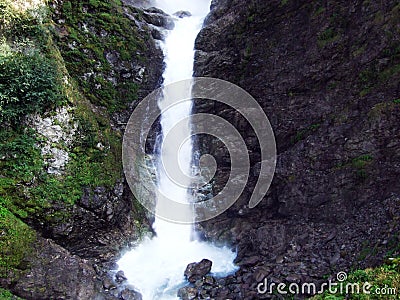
x: 28, y: 84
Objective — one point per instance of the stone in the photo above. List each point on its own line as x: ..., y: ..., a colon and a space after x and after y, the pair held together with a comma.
x: 108, y: 284
x: 182, y: 14
x: 120, y: 277
x: 196, y: 271
x: 54, y: 271
x: 159, y: 19
x: 128, y: 294
x: 187, y: 293
x: 56, y: 130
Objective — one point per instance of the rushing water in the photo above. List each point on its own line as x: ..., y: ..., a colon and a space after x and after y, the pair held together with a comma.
x: 155, y: 268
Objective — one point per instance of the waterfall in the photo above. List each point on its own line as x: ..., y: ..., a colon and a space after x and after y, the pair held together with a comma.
x: 155, y: 268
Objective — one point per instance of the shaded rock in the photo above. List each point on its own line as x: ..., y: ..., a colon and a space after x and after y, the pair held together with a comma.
x: 187, y: 293
x: 108, y: 284
x: 183, y: 14
x: 158, y: 18
x: 120, y: 277
x: 196, y: 271
x: 335, y: 134
x: 53, y: 272
x: 155, y: 10
x: 139, y: 3
x: 157, y: 34
x: 128, y: 294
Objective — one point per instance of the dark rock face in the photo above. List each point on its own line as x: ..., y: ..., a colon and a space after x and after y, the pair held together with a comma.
x: 56, y: 274
x: 196, y: 271
x: 327, y: 76
x: 158, y: 18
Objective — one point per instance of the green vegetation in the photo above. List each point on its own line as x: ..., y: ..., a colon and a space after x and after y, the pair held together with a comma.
x: 358, y: 164
x: 30, y: 80
x: 362, y: 161
x: 28, y: 84
x: 302, y: 134
x: 284, y: 2
x: 368, y: 77
x: 375, y: 75
x: 93, y: 29
x: 384, y: 283
x: 15, y: 241
x: 7, y: 295
x: 320, y: 10
x: 327, y: 36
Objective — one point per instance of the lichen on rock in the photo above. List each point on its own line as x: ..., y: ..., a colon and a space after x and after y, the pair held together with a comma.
x: 56, y: 133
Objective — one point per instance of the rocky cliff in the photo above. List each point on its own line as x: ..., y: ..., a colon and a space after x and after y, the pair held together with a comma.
x: 327, y: 74
x: 70, y: 74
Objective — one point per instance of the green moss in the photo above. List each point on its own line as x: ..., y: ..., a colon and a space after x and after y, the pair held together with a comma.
x: 374, y: 75
x: 320, y: 10
x: 362, y: 161
x: 327, y: 36
x: 95, y: 28
x: 302, y: 134
x: 15, y: 241
x: 359, y: 51
x: 19, y: 155
x: 378, y: 110
x: 359, y: 165
x: 367, y: 78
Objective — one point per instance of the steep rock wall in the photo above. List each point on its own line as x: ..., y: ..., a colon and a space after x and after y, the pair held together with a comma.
x: 327, y: 76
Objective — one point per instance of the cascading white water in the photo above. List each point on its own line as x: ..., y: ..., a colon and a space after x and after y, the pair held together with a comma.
x: 155, y: 268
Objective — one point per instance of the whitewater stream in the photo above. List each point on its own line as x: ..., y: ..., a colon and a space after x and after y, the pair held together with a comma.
x: 155, y: 268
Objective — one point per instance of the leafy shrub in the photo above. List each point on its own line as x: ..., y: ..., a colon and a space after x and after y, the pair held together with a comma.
x: 28, y: 84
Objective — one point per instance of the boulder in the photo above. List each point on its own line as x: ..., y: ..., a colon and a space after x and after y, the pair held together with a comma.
x: 182, y: 14
x: 158, y: 18
x: 128, y: 294
x: 195, y: 271
x: 187, y: 293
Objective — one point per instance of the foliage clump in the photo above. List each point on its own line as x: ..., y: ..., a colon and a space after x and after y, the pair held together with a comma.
x: 28, y: 84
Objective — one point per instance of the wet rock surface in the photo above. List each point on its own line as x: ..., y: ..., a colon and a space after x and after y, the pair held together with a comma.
x: 196, y: 271
x: 183, y: 14
x: 158, y: 18
x: 56, y: 274
x: 324, y: 83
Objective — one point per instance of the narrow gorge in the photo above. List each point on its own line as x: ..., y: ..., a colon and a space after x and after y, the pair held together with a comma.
x: 72, y: 73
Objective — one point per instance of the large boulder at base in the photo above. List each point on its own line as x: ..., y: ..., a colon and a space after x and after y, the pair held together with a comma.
x: 196, y: 271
